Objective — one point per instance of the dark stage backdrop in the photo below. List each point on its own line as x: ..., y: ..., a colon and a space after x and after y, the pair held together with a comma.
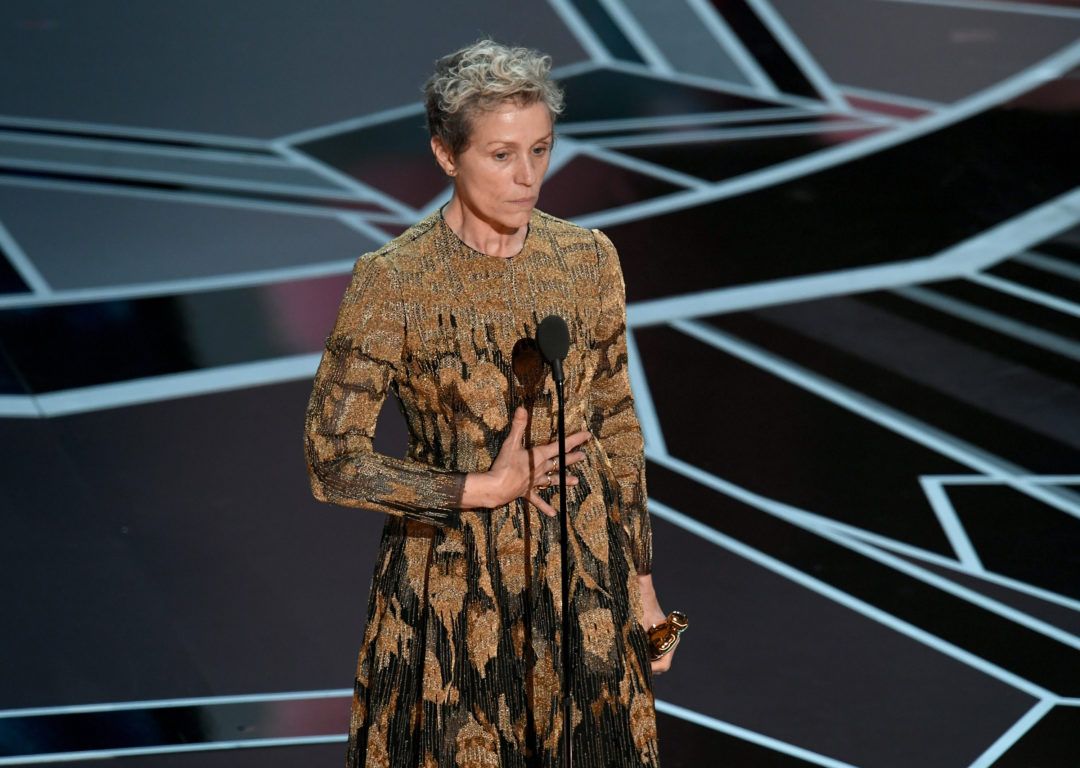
x: 850, y: 231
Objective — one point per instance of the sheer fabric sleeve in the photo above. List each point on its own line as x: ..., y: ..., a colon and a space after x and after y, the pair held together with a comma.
x: 613, y: 420
x: 363, y: 352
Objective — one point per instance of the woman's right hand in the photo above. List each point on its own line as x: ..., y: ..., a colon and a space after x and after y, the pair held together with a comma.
x: 518, y: 472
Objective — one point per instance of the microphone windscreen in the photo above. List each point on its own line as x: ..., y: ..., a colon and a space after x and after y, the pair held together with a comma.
x: 553, y: 338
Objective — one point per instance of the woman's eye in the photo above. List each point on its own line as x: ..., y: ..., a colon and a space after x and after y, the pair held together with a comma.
x: 501, y: 155
x: 540, y: 150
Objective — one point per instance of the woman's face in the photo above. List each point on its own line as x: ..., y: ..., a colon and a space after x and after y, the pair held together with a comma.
x: 498, y: 176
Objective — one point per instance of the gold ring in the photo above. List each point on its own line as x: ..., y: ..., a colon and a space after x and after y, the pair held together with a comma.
x: 554, y: 463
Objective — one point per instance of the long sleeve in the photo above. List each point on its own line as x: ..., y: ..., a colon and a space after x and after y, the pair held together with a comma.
x: 362, y: 354
x: 613, y: 420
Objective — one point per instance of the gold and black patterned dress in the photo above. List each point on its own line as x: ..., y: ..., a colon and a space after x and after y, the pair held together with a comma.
x: 459, y: 664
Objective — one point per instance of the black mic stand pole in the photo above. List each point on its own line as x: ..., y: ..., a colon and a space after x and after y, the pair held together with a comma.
x: 553, y: 338
x: 568, y: 752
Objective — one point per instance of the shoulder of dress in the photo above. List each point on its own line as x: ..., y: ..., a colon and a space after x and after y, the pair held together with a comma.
x: 409, y: 241
x: 573, y: 238
x: 562, y: 227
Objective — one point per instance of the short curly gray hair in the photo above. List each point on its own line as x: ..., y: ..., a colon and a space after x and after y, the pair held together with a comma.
x: 480, y: 77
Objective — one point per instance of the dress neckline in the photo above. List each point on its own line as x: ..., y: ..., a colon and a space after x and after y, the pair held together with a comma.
x: 526, y: 244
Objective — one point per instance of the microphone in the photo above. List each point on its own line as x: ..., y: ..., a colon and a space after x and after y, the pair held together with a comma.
x: 553, y: 338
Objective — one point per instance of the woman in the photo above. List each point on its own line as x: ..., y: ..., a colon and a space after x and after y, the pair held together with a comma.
x: 459, y: 664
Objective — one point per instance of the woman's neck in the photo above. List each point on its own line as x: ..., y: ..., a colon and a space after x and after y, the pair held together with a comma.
x: 482, y: 235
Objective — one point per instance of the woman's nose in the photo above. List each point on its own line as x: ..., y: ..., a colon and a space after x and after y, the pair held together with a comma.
x: 526, y: 174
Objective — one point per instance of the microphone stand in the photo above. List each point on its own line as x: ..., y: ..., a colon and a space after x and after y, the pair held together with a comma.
x: 564, y: 541
x: 553, y: 338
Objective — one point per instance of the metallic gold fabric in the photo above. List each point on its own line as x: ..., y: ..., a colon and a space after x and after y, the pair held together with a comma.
x: 460, y: 659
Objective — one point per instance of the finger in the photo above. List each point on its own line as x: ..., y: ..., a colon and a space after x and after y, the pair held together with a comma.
x: 663, y: 664
x: 517, y: 426
x: 548, y: 450
x: 546, y: 461
x: 552, y: 465
x: 540, y: 504
x: 574, y: 458
x: 576, y: 439
x: 547, y: 473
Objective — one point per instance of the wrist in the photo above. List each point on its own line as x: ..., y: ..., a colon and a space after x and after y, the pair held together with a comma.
x: 482, y: 489
x: 650, y: 605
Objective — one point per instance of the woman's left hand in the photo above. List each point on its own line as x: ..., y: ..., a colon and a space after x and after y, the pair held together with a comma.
x: 652, y: 614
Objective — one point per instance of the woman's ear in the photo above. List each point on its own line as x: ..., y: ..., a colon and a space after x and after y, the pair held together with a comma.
x: 443, y: 156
